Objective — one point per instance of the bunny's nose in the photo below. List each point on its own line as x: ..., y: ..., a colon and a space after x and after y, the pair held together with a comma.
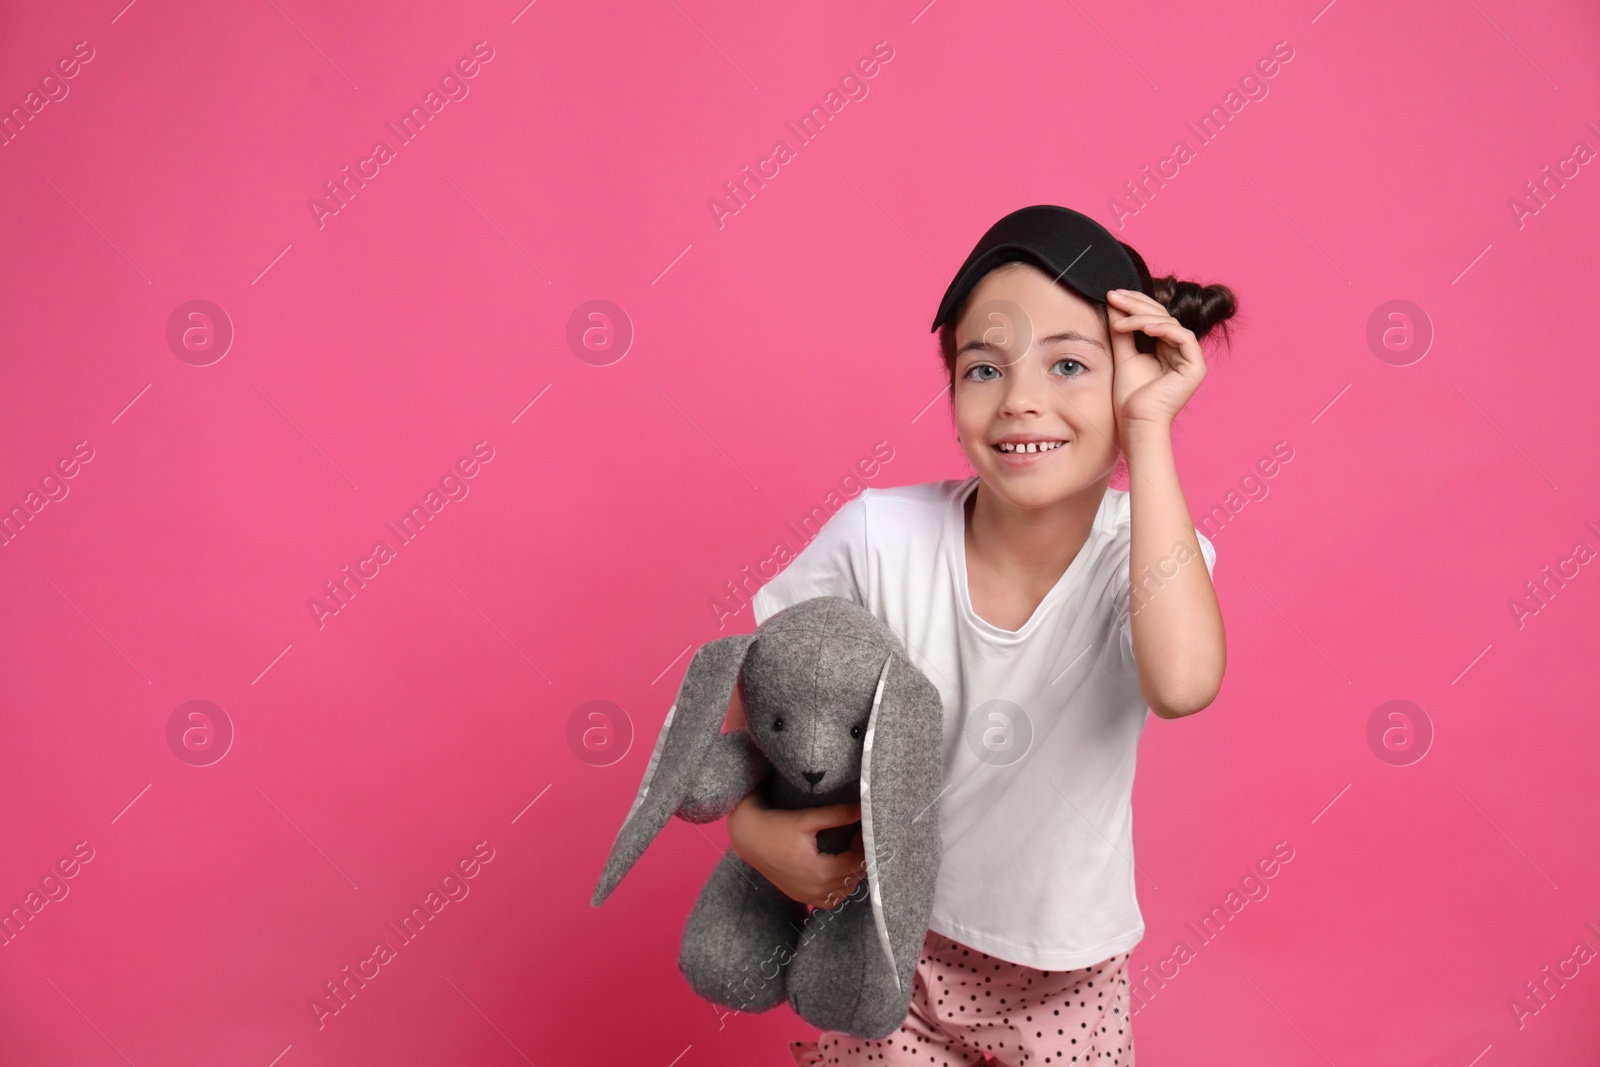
x: 813, y: 776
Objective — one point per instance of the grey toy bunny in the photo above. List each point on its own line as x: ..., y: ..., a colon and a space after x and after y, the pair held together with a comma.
x: 835, y: 713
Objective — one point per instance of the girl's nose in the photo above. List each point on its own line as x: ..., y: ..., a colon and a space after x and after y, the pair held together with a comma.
x: 1024, y: 395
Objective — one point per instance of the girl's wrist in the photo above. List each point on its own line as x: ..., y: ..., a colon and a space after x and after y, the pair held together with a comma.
x: 1144, y: 432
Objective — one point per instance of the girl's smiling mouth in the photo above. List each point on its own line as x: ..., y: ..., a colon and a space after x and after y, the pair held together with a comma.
x: 1026, y: 449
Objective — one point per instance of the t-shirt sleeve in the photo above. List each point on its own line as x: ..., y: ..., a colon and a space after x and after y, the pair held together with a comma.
x: 833, y: 563
x: 1208, y: 552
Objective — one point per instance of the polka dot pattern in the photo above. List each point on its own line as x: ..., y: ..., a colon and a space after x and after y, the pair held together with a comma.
x: 970, y: 1008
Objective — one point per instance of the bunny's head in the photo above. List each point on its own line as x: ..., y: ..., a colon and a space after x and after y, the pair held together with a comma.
x: 808, y: 685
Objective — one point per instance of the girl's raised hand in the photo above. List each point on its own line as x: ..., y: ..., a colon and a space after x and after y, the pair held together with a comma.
x: 1150, y: 388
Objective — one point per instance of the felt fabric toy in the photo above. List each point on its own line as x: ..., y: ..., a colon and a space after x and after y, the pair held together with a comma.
x: 835, y: 712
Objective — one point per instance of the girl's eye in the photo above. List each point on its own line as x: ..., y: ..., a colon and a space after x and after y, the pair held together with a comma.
x: 777, y: 724
x: 1074, y: 369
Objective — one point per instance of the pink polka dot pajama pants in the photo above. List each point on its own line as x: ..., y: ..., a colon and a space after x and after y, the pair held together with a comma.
x: 968, y: 1007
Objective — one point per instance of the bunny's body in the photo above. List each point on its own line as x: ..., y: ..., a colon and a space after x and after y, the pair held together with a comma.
x: 834, y: 713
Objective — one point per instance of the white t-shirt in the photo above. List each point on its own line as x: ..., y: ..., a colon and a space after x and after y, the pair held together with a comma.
x: 1041, y: 724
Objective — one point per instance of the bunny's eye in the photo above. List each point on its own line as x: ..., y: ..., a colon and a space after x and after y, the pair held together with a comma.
x: 777, y: 724
x: 855, y: 731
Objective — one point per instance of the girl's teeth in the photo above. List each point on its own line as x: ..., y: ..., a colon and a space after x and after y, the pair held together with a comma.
x: 1036, y: 446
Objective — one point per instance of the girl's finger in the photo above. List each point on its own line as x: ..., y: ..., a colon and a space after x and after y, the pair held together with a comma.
x: 1145, y: 320
x: 1160, y: 326
x: 835, y: 881
x: 1176, y: 333
x: 1169, y: 324
x: 836, y: 892
x: 1182, y: 343
x: 1137, y: 320
x: 830, y: 815
x: 1118, y: 297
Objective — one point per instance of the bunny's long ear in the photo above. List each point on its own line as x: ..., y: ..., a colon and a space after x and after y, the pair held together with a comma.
x: 692, y: 724
x: 902, y: 773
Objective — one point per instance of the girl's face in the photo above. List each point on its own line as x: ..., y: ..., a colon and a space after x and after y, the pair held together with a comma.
x: 1033, y: 363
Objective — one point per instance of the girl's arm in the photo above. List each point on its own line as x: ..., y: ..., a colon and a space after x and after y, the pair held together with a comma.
x: 1178, y: 639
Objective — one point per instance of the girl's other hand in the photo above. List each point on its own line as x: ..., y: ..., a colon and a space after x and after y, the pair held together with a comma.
x: 1150, y: 388
x: 782, y: 845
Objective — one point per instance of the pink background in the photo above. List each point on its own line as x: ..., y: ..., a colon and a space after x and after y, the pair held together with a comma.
x: 770, y: 355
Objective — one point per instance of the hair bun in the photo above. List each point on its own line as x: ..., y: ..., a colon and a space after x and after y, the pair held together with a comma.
x: 1199, y: 308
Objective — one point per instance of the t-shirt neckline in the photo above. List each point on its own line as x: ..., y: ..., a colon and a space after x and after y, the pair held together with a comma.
x: 956, y: 543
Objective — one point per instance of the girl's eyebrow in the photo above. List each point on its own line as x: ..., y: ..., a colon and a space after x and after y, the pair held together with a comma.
x: 1072, y: 335
x: 1064, y: 335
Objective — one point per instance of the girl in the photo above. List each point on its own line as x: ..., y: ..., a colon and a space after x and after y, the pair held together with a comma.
x: 1053, y: 612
